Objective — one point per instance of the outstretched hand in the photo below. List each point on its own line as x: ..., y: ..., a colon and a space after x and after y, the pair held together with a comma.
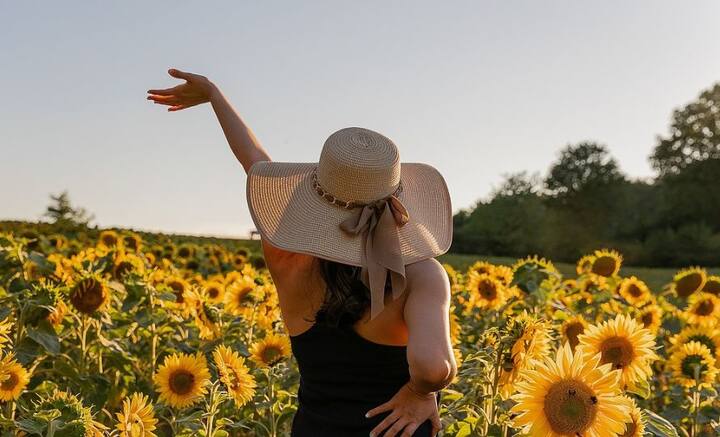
x: 195, y: 91
x: 408, y: 410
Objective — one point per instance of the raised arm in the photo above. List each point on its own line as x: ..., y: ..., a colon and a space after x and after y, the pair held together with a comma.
x: 429, y: 351
x: 199, y: 89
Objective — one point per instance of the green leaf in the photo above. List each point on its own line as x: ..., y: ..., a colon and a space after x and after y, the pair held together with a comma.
x: 30, y: 426
x: 45, y: 335
x: 658, y: 425
x: 27, y: 350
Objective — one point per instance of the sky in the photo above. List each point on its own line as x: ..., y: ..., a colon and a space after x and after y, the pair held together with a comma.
x: 478, y: 89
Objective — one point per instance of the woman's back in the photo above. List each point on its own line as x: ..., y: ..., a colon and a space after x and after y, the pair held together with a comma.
x: 342, y: 376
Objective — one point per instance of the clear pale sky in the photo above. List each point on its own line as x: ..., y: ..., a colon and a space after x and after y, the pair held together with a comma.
x: 476, y: 89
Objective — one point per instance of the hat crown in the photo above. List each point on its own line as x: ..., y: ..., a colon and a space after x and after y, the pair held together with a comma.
x: 359, y: 165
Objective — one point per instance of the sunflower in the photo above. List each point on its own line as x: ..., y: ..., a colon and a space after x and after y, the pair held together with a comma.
x: 708, y: 337
x: 57, y: 315
x: 182, y: 379
x: 5, y: 329
x: 531, y: 343
x: 651, y: 317
x: 606, y: 263
x: 535, y: 262
x: 690, y: 357
x: 239, y: 261
x: 132, y: 241
x: 108, y: 239
x: 66, y: 408
x: 57, y: 241
x: 486, y: 292
x: 712, y: 285
x: 214, y: 292
x: 137, y: 418
x: 234, y: 374
x: 634, y: 291
x: 572, y: 328
x: 206, y: 321
x: 89, y: 295
x: 481, y: 267
x: 270, y: 350
x: 584, y: 264
x: 624, y: 344
x: 127, y: 263
x: 186, y: 251
x: 571, y: 394
x: 636, y: 426
x: 180, y: 288
x: 689, y: 281
x: 504, y: 274
x: 240, y: 296
x: 13, y: 379
x: 703, y: 310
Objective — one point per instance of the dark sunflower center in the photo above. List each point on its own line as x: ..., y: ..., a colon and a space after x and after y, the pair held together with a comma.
x: 572, y: 331
x: 704, y: 341
x: 184, y: 252
x: 88, y: 296
x: 570, y: 407
x: 690, y: 363
x: 487, y: 290
x: 604, y: 266
x: 705, y: 308
x: 634, y: 290
x: 618, y: 351
x: 181, y: 382
x: 712, y: 286
x: 213, y: 293
x: 630, y: 430
x: 10, y: 383
x: 271, y: 354
x: 647, y: 319
x: 178, y: 289
x: 109, y: 240
x: 122, y: 268
x: 688, y: 284
x: 244, y: 295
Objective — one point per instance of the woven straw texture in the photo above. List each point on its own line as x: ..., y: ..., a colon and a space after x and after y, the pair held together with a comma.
x: 358, y: 165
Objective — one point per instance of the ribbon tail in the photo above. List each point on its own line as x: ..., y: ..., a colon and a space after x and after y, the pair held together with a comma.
x: 385, y: 255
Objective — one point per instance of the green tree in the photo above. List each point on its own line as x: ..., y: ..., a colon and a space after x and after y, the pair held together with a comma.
x: 61, y: 211
x: 580, y: 167
x: 694, y: 135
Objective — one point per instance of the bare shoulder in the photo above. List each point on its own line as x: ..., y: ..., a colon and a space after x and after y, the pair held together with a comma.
x: 428, y: 277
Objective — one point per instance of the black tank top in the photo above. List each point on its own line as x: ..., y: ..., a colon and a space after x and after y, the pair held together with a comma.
x: 342, y: 377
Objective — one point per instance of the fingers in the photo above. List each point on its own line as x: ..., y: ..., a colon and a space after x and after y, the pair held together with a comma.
x: 379, y: 409
x: 183, y: 106
x: 396, y: 428
x: 163, y: 99
x: 410, y: 429
x: 166, y: 91
x: 392, y: 418
x: 174, y: 72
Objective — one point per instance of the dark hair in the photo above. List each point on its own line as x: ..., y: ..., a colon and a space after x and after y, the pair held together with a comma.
x: 346, y: 297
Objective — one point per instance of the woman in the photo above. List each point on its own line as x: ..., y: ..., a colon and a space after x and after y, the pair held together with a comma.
x: 350, y: 243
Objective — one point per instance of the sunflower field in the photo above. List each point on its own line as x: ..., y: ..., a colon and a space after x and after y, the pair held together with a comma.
x: 120, y: 334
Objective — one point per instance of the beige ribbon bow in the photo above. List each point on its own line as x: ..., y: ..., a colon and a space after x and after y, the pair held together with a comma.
x: 379, y: 222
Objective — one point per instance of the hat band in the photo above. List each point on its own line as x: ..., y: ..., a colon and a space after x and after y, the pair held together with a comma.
x: 347, y: 204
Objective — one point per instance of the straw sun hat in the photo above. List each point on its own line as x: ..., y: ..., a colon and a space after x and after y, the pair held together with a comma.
x: 358, y: 205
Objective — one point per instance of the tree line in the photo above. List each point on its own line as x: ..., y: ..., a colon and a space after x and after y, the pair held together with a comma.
x: 585, y: 202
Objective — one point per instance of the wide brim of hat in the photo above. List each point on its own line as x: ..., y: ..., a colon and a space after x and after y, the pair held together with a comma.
x: 291, y: 215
